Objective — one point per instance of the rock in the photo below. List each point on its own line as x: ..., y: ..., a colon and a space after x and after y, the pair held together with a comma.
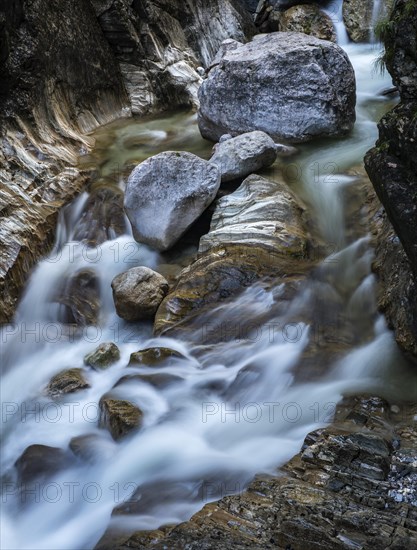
x: 40, y: 462
x: 243, y: 155
x: 102, y: 218
x: 226, y: 46
x: 292, y: 86
x: 308, y: 19
x: 103, y: 356
x: 255, y: 232
x: 67, y: 381
x: 159, y: 380
x: 91, y: 447
x: 392, y: 168
x: 360, y: 17
x: 154, y: 357
x: 342, y: 491
x: 166, y: 194
x: 119, y: 417
x: 138, y: 292
x: 81, y: 296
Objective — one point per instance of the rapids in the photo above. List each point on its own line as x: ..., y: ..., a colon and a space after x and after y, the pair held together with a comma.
x: 237, y: 408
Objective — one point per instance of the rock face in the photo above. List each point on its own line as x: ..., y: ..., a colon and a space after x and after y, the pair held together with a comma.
x: 392, y: 168
x: 255, y: 232
x: 119, y: 416
x: 137, y: 293
x: 166, y: 194
x: 292, y: 86
x: 243, y: 155
x: 67, y: 381
x: 103, y: 356
x: 353, y: 485
x: 309, y: 20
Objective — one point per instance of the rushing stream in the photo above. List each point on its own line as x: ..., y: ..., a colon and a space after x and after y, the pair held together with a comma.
x: 234, y: 409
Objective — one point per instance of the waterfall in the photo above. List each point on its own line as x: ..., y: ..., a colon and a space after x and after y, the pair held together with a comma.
x: 335, y: 11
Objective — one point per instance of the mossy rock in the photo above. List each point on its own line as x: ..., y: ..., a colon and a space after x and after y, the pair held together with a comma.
x: 154, y: 357
x: 103, y: 357
x: 67, y: 381
x: 119, y: 416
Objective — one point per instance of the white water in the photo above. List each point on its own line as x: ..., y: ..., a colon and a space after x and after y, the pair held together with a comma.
x: 239, y: 407
x: 335, y: 11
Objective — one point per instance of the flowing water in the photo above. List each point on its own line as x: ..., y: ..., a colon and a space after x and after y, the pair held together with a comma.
x: 235, y: 408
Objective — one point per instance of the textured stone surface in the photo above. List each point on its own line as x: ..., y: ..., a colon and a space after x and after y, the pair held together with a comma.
x: 353, y: 485
x: 243, y: 155
x: 154, y: 357
x: 67, y: 381
x: 361, y: 16
x: 138, y: 292
x: 166, y: 194
x: 292, y: 86
x: 255, y: 232
x: 118, y: 416
x: 309, y: 20
x: 103, y: 356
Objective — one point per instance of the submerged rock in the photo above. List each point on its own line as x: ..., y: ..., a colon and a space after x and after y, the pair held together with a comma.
x: 138, y: 292
x: 119, y: 417
x: 154, y: 357
x: 243, y: 155
x: 103, y: 356
x: 166, y: 194
x: 40, y: 462
x: 292, y: 86
x: 67, y: 381
x: 255, y: 232
x: 81, y: 296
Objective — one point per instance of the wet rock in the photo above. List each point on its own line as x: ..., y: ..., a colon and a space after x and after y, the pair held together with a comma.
x: 154, y: 357
x: 138, y: 292
x: 119, y: 417
x: 91, y: 447
x: 309, y: 20
x: 159, y: 380
x: 40, y: 462
x: 360, y: 17
x: 166, y: 194
x: 67, y: 381
x: 243, y: 155
x: 103, y: 356
x: 81, y: 296
x: 327, y: 496
x: 256, y: 232
x: 102, y: 218
x: 292, y: 86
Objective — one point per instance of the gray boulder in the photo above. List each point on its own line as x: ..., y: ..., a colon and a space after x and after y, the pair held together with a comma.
x: 292, y: 86
x: 243, y: 155
x: 166, y: 193
x: 138, y: 292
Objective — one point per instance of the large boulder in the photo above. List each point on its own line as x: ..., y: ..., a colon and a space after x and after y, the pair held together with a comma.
x: 256, y: 232
x: 166, y: 194
x: 292, y: 86
x: 243, y: 155
x: 138, y: 292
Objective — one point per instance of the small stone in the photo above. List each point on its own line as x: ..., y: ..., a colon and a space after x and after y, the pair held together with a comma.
x: 119, y: 416
x: 67, y: 381
x: 154, y: 357
x: 395, y: 409
x: 138, y: 292
x: 103, y: 356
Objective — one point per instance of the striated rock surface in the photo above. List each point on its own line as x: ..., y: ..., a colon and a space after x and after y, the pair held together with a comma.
x: 166, y: 194
x: 138, y: 293
x: 243, y: 155
x: 353, y: 485
x: 392, y: 168
x: 292, y: 86
x: 255, y: 232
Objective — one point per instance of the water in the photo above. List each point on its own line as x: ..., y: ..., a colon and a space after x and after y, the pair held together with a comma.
x: 237, y: 407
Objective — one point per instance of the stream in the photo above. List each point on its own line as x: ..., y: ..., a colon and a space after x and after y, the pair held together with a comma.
x: 234, y: 409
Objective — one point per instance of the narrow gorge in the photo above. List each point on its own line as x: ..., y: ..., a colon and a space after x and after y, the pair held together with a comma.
x: 207, y: 272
